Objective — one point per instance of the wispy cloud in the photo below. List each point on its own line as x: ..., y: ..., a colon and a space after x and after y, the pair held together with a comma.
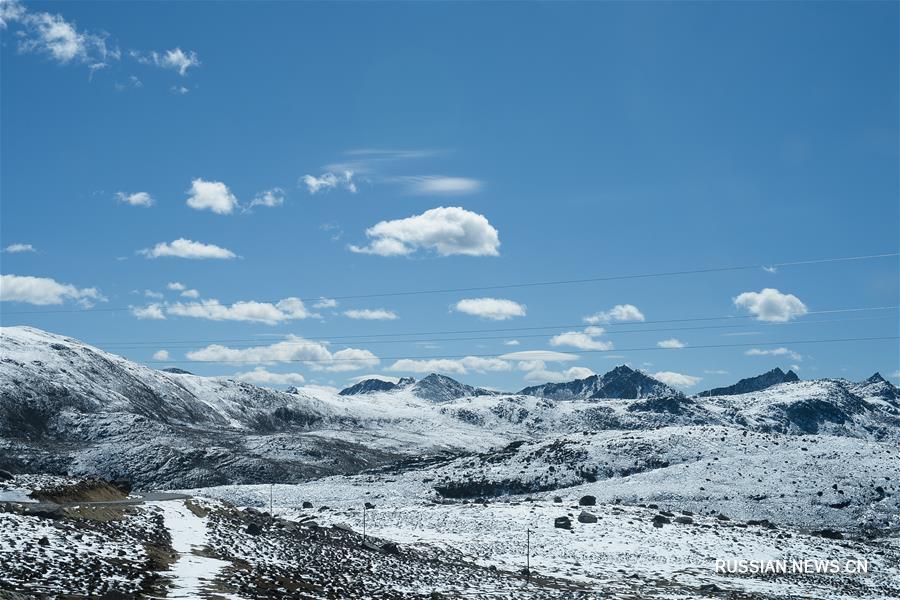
x: 671, y: 343
x: 19, y: 248
x: 315, y: 355
x: 368, y: 314
x: 677, y: 379
x: 136, y: 199
x: 774, y: 352
x: 175, y: 59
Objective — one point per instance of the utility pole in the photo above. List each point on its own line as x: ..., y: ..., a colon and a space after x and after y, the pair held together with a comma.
x: 271, y: 512
x: 528, y: 555
x: 364, y: 524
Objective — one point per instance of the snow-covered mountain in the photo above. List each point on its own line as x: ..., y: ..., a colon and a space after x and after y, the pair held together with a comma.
x: 68, y: 407
x: 621, y: 382
x: 754, y: 384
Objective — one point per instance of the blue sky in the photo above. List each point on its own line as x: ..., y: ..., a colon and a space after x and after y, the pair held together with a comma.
x: 494, y: 144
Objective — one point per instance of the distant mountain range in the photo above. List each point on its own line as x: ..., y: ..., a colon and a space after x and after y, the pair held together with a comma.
x: 754, y: 384
x: 66, y: 406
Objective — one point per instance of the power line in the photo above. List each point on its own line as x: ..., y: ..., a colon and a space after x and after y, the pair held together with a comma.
x: 248, y: 343
x: 522, y: 285
x: 514, y: 329
x: 512, y: 357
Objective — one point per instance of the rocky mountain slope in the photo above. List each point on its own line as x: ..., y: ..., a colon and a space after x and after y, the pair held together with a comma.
x: 68, y: 407
x: 621, y: 382
x: 754, y: 384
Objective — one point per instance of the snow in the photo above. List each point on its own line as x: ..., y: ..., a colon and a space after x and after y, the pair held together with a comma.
x: 191, y: 573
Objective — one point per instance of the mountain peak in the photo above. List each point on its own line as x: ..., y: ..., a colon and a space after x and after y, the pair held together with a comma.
x: 876, y: 378
x: 621, y: 382
x: 754, y: 384
x: 440, y: 388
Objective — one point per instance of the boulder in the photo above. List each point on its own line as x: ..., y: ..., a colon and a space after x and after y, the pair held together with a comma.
x: 307, y: 504
x: 562, y: 523
x: 369, y: 505
x: 254, y: 529
x: 684, y: 520
x: 659, y: 520
x: 587, y: 501
x: 5, y: 475
x: 586, y: 517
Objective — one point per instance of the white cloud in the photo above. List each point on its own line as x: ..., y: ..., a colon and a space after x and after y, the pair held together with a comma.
x: 771, y: 305
x: 377, y: 314
x: 270, y: 198
x: 17, y: 248
x: 161, y: 355
x: 677, y: 379
x: 496, y: 309
x: 671, y: 343
x: 545, y: 355
x: 325, y: 303
x: 190, y: 294
x: 54, y: 37
x: 136, y: 199
x: 511, y: 343
x: 459, y: 366
x: 293, y: 349
x: 176, y: 59
x: 176, y: 286
x: 44, y: 290
x: 582, y: 340
x: 328, y: 181
x: 183, y: 248
x: 619, y: 312
x: 151, y: 311
x: 251, y: 311
x: 263, y: 377
x: 179, y: 89
x: 774, y: 352
x: 445, y: 230
x: 716, y: 372
x: 152, y: 294
x: 896, y: 374
x: 211, y: 195
x: 537, y: 371
x: 438, y: 184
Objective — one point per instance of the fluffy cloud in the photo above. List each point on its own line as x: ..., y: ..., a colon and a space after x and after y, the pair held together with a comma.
x: 496, y: 309
x: 677, y: 379
x: 288, y: 309
x: 293, y: 349
x: 671, y: 343
x: 151, y: 311
x: 544, y: 355
x: 328, y: 181
x: 43, y: 290
x: 270, y: 198
x: 263, y: 377
x: 325, y: 303
x: 136, y: 199
x: 176, y: 286
x: 459, y: 366
x: 211, y: 195
x: 17, y: 248
x: 445, y: 230
x: 190, y: 294
x: 152, y: 294
x: 771, y: 305
x: 161, y: 355
x: 582, y: 340
x: 774, y: 352
x: 619, y: 312
x: 539, y: 372
x: 176, y: 59
x: 511, y: 343
x: 182, y: 248
x: 438, y: 184
x: 378, y: 314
